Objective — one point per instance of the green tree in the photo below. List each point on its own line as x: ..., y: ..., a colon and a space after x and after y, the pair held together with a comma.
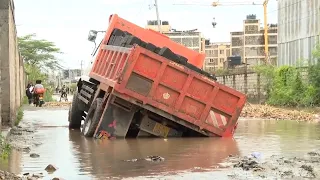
x: 39, y: 53
x: 39, y: 56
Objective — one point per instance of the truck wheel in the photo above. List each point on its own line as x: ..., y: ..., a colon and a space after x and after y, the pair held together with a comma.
x: 75, y: 114
x: 93, y: 118
x: 167, y: 53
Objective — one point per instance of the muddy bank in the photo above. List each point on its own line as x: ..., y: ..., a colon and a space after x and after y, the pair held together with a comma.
x: 270, y: 112
x: 8, y: 176
x: 306, y: 167
x: 21, y: 137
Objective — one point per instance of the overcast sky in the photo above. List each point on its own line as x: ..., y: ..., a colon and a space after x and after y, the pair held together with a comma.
x: 67, y: 22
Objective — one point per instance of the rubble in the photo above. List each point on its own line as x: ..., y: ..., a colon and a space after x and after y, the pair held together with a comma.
x: 50, y: 168
x: 34, y: 155
x: 148, y: 158
x: 154, y: 158
x: 271, y: 112
x: 276, y: 167
x: 56, y: 104
x: 8, y: 176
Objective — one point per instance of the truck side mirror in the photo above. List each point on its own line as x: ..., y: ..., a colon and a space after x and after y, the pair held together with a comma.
x: 92, y: 35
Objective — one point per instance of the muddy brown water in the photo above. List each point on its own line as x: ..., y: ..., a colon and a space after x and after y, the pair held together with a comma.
x: 79, y: 158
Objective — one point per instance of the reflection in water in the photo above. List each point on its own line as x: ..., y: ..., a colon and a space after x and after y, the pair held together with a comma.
x: 78, y: 157
x: 105, y: 158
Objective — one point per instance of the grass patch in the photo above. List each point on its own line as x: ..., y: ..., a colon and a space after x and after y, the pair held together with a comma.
x: 19, y: 116
x: 5, y: 148
x: 25, y: 100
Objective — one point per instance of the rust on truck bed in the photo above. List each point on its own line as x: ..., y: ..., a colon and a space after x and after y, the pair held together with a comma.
x: 147, y: 79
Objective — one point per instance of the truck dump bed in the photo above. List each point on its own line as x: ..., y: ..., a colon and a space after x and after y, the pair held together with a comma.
x: 152, y: 37
x: 145, y: 69
x: 151, y: 81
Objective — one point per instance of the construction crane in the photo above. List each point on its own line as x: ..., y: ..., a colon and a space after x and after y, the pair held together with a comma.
x: 264, y: 4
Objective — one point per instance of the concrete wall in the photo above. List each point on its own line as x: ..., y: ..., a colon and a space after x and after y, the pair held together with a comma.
x: 12, y: 72
x: 298, y: 30
x: 251, y: 84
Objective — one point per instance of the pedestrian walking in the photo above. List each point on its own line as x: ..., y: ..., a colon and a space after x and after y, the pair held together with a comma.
x: 29, y: 92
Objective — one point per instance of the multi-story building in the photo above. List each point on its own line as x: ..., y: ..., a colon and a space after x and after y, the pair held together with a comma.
x: 299, y: 30
x: 249, y: 44
x: 71, y: 74
x: 191, y: 38
x: 216, y: 55
x: 153, y: 24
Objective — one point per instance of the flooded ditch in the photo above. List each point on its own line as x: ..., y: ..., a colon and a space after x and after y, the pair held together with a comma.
x: 78, y: 157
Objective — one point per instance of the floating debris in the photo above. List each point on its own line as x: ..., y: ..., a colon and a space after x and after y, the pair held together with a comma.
x: 154, y: 158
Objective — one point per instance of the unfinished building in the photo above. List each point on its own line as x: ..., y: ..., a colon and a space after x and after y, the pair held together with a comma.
x: 249, y: 44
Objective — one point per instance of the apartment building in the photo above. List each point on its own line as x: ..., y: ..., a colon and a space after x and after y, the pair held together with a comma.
x: 153, y: 24
x: 249, y: 43
x: 216, y: 55
x: 190, y: 38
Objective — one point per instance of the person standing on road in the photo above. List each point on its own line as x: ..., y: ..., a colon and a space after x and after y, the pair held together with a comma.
x: 29, y: 92
x: 64, y: 93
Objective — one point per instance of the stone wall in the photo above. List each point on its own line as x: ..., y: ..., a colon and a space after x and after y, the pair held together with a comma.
x: 251, y: 84
x: 12, y: 71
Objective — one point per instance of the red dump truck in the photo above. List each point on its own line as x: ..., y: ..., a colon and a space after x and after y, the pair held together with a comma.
x: 142, y: 84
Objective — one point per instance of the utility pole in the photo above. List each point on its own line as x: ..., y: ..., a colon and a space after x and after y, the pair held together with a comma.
x: 157, y: 11
x: 81, y: 63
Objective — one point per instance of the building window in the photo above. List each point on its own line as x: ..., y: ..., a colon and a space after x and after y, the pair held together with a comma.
x: 211, y: 60
x: 221, y: 51
x: 215, y: 61
x: 221, y: 60
x: 228, y: 53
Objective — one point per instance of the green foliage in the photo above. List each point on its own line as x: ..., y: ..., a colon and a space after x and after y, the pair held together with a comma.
x: 19, y: 116
x: 38, y: 53
x: 39, y: 57
x: 5, y: 148
x: 48, y: 94
x: 25, y: 100
x: 286, y: 86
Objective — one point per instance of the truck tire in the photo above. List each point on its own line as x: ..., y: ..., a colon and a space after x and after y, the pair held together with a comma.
x: 124, y: 41
x: 143, y: 44
x: 167, y: 53
x: 117, y: 32
x: 117, y: 41
x: 111, y: 40
x: 133, y: 40
x: 194, y: 68
x: 75, y: 114
x: 151, y: 47
x: 93, y: 118
x: 183, y: 60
